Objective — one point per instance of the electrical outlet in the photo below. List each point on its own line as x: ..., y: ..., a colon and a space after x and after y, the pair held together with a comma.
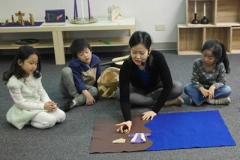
x: 159, y: 27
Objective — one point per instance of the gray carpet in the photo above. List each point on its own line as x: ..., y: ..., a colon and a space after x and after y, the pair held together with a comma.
x: 71, y: 140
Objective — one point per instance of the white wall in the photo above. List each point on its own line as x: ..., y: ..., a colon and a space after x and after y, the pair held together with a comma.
x: 147, y: 12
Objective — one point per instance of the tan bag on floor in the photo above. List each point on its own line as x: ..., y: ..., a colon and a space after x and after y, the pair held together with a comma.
x: 108, y: 82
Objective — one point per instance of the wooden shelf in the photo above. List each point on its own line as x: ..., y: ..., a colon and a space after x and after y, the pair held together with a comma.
x: 210, y: 8
x: 60, y: 37
x: 65, y: 38
x: 224, y: 26
x: 235, y: 46
x: 189, y: 52
x: 100, y: 42
x: 10, y: 44
x: 221, y: 34
x: 228, y: 11
x: 187, y: 39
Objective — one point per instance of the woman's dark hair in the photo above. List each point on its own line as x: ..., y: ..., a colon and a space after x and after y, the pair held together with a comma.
x: 218, y: 51
x: 140, y: 37
x: 23, y: 53
x: 79, y: 45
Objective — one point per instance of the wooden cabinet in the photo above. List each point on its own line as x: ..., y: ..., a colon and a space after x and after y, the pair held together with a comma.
x: 104, y: 26
x: 224, y: 26
x: 235, y: 45
x: 59, y: 37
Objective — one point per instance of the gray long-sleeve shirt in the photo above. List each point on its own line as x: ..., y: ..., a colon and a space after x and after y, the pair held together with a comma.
x: 201, y: 77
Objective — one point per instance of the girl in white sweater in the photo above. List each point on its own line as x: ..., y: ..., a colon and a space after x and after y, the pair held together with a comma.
x: 32, y: 104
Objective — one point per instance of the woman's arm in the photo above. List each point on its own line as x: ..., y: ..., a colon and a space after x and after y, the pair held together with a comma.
x: 124, y: 80
x: 161, y: 66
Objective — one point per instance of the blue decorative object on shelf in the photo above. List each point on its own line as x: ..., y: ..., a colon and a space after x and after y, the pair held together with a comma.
x: 55, y: 16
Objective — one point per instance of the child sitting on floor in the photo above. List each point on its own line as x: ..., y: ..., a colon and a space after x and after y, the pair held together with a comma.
x: 31, y: 102
x: 79, y: 80
x: 208, y: 76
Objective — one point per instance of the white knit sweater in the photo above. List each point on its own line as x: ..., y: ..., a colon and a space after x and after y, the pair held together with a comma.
x: 28, y: 96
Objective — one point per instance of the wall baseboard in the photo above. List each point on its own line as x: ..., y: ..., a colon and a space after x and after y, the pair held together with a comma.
x: 165, y: 46
x: 156, y: 46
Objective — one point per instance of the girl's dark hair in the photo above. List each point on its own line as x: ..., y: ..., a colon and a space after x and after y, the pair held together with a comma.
x: 79, y: 45
x: 23, y: 53
x: 140, y: 37
x: 218, y: 51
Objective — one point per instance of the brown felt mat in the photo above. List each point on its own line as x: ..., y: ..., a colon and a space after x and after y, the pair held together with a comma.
x: 104, y: 132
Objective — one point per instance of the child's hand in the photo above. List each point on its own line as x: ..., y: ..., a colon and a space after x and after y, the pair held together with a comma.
x: 211, y: 91
x: 50, y: 106
x: 90, y: 100
x: 204, y: 91
x: 54, y: 108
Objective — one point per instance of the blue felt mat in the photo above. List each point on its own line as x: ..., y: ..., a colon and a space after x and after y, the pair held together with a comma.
x: 25, y: 25
x: 189, y: 130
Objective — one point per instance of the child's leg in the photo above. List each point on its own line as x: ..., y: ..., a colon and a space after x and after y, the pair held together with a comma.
x: 194, y: 94
x: 81, y: 99
x: 222, y: 92
x: 67, y: 86
x: 221, y: 95
x: 43, y: 120
x: 59, y: 115
x: 93, y: 91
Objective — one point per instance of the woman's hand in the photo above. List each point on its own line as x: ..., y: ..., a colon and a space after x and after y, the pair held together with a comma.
x: 121, y: 125
x: 148, y: 115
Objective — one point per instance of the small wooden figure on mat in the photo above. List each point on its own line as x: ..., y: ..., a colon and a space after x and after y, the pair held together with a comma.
x: 20, y: 17
x: 5, y: 24
x: 12, y: 19
x: 31, y: 18
x: 125, y: 129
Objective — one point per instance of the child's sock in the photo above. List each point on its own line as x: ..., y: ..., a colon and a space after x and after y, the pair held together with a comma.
x: 212, y: 101
x: 73, y: 104
x: 68, y: 104
x: 225, y: 101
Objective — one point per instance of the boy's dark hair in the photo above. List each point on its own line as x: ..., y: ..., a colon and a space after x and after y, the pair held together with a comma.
x: 218, y: 51
x: 23, y: 53
x: 140, y: 37
x: 79, y: 45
